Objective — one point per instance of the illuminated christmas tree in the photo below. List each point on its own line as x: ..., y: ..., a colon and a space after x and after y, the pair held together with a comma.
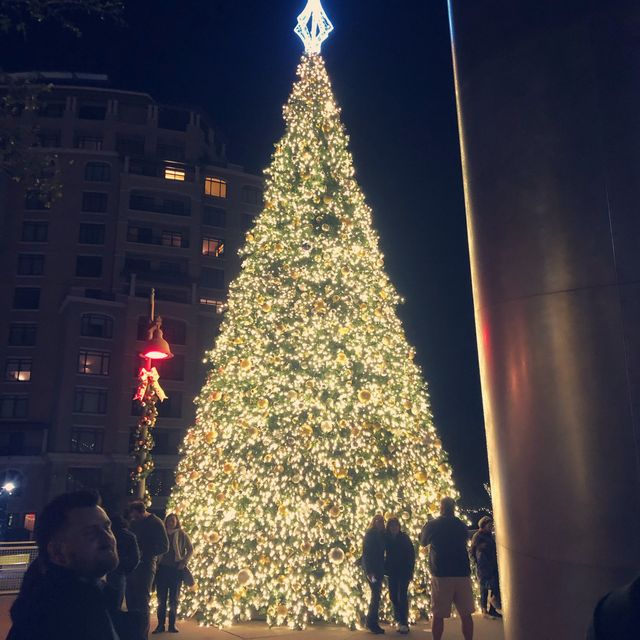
x: 314, y: 416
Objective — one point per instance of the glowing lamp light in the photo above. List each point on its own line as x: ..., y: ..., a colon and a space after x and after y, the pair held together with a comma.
x: 156, y: 347
x: 9, y: 487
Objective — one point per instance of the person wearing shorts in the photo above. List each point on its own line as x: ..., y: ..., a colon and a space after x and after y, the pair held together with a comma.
x: 447, y: 538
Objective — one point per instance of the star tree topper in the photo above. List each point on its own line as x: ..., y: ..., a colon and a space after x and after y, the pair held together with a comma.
x: 313, y: 26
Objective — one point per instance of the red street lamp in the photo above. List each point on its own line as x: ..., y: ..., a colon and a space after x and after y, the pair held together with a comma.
x: 148, y: 393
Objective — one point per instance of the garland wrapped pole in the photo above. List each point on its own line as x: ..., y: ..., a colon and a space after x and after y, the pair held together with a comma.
x: 148, y: 393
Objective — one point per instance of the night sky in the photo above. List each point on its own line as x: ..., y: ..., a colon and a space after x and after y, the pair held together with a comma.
x: 390, y: 64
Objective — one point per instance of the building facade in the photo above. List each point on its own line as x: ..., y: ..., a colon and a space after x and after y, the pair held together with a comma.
x: 148, y: 200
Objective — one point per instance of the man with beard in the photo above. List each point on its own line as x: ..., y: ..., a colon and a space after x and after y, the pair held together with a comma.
x: 63, y: 594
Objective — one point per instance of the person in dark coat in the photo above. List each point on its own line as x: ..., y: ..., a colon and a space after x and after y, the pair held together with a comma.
x: 373, y: 548
x: 63, y: 594
x: 617, y: 615
x: 485, y: 556
x: 153, y: 543
x: 399, y: 565
x: 129, y: 556
x: 170, y: 572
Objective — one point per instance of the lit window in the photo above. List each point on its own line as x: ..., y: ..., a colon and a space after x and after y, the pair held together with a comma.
x: 171, y: 173
x: 213, y: 247
x: 215, y: 187
x: 18, y: 370
x: 212, y: 302
x: 171, y: 239
x: 94, y: 363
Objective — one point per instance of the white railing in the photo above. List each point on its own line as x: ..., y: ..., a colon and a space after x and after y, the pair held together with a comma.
x: 15, y: 558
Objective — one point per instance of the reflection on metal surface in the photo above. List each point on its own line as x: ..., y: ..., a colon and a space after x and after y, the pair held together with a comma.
x: 547, y: 104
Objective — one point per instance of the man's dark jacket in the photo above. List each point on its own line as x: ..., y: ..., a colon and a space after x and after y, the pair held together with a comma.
x: 401, y: 556
x: 373, y: 553
x: 54, y: 604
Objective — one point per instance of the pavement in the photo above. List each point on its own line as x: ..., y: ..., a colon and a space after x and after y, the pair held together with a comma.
x: 189, y: 630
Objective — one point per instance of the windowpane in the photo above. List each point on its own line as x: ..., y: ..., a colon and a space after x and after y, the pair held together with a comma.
x: 94, y: 202
x: 94, y: 363
x: 92, y: 143
x: 35, y: 200
x: 92, y: 111
x: 213, y: 247
x: 172, y: 239
x: 18, y: 370
x: 79, y: 478
x: 88, y: 266
x: 34, y: 231
x: 30, y: 264
x: 171, y: 173
x: 215, y: 187
x: 96, y: 325
x: 14, y: 406
x: 26, y: 298
x: 160, y: 482
x: 86, y: 440
x: 22, y: 335
x: 97, y: 172
x: 90, y: 400
x: 91, y: 233
x: 213, y: 278
x: 212, y: 302
x: 251, y: 195
x: 130, y: 146
x: 214, y: 217
x: 49, y: 139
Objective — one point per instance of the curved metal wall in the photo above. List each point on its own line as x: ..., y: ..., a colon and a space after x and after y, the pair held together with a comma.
x: 549, y: 109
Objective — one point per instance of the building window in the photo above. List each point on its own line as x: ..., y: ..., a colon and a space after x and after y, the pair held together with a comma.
x: 132, y: 113
x: 171, y: 407
x: 92, y: 111
x: 35, y: 231
x: 94, y: 202
x: 52, y: 109
x: 88, y: 266
x: 18, y: 370
x: 133, y: 264
x: 94, y: 363
x: 130, y: 146
x: 97, y: 172
x: 166, y: 441
x: 172, y: 239
x: 160, y: 482
x: 144, y: 202
x: 91, y: 233
x: 14, y: 406
x: 79, y: 478
x: 26, y: 298
x: 86, y: 440
x: 168, y: 151
x: 251, y: 195
x: 212, y: 302
x: 90, y: 400
x: 246, y: 222
x: 215, y: 187
x: 91, y: 143
x: 213, y: 247
x: 96, y: 325
x: 30, y: 264
x: 214, y: 217
x: 35, y: 200
x: 22, y: 334
x: 142, y: 235
x: 213, y: 278
x: 49, y: 139
x: 171, y: 173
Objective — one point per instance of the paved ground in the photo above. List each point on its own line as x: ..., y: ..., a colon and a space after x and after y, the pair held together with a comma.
x: 485, y: 630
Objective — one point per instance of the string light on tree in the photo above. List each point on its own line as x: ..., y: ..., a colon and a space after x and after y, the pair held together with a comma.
x: 314, y: 416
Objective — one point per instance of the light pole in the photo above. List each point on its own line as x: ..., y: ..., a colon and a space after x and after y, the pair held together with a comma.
x: 6, y: 491
x: 148, y: 393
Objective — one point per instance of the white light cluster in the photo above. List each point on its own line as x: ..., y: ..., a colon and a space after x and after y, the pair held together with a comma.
x: 313, y: 26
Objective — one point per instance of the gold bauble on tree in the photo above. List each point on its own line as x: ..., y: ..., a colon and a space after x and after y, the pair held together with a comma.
x: 245, y: 576
x: 336, y: 555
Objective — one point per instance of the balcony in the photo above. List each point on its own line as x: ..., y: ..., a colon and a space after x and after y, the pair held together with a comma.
x: 169, y: 171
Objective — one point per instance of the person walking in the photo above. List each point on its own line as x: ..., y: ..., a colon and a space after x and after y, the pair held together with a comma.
x: 128, y: 554
x: 399, y: 564
x: 485, y: 556
x: 63, y: 594
x: 373, y: 548
x: 170, y: 572
x: 153, y: 542
x: 447, y: 538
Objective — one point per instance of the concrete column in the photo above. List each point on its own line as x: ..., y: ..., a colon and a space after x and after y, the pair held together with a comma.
x: 548, y: 99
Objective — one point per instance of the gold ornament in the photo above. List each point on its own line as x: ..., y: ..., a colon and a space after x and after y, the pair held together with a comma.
x: 278, y: 247
x: 180, y: 479
x: 325, y: 227
x: 341, y: 358
x: 306, y: 429
x: 334, y: 512
x: 210, y: 436
x: 245, y: 364
x: 379, y: 495
x: 364, y: 395
x: 282, y: 610
x: 326, y: 426
x: 228, y: 468
x: 239, y: 594
x: 263, y: 404
x: 220, y: 497
x: 421, y: 477
x: 214, y: 537
x: 194, y: 475
x: 282, y: 510
x: 318, y: 610
x: 443, y: 468
x: 266, y: 307
x: 336, y: 555
x: 340, y: 473
x: 305, y: 547
x: 216, y: 395
x: 245, y: 576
